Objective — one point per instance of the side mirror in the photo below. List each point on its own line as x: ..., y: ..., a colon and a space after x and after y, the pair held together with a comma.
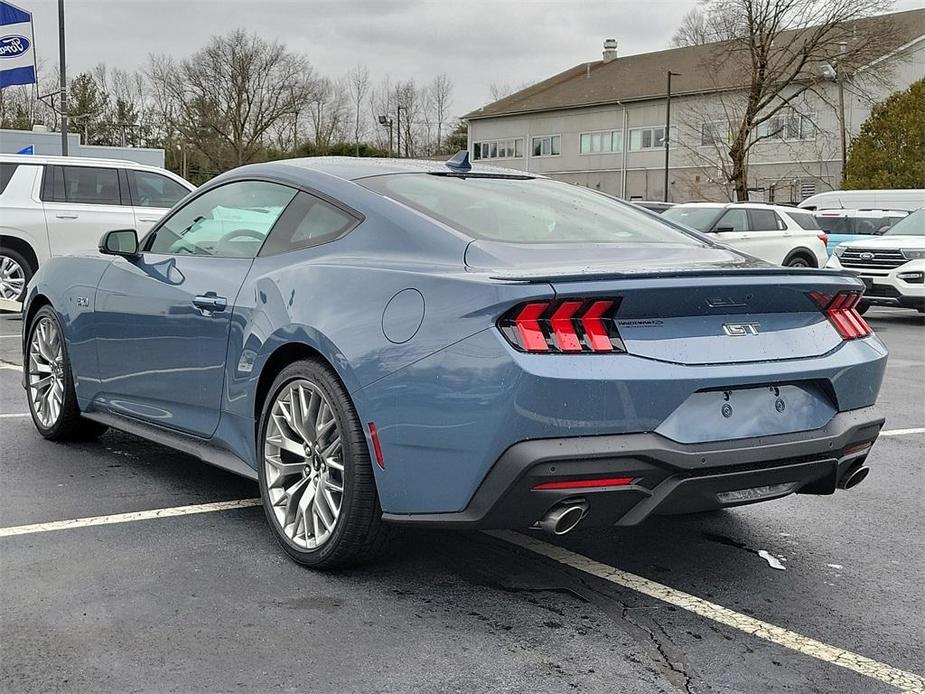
x: 122, y: 242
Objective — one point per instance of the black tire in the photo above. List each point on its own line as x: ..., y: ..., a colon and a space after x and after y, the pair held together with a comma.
x: 27, y: 268
x: 799, y: 260
x: 862, y: 307
x: 70, y: 425
x: 359, y: 535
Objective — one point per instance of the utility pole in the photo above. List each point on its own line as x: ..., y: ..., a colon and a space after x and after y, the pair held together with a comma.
x: 63, y: 73
x: 668, y: 127
x: 398, y: 110
x: 840, y: 68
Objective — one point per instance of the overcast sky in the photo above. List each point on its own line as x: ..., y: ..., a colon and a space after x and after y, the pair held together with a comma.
x: 476, y: 42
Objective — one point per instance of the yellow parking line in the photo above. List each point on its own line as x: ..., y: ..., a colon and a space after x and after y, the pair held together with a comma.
x: 907, y: 681
x: 128, y: 517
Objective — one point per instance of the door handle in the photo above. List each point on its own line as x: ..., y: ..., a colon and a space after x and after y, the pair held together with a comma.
x: 148, y: 219
x: 66, y: 216
x: 210, y: 303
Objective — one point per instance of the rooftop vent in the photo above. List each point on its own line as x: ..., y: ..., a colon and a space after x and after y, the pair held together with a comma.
x: 610, y: 50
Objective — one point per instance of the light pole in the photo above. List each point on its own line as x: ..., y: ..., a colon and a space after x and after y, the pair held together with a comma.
x: 63, y: 74
x: 387, y: 122
x: 836, y: 74
x: 668, y: 126
x: 398, y: 110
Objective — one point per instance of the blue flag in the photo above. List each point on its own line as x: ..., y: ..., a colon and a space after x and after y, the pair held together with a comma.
x: 27, y: 150
x: 17, y: 50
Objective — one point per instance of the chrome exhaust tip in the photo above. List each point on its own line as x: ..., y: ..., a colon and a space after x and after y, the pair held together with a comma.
x: 855, y: 477
x: 563, y: 517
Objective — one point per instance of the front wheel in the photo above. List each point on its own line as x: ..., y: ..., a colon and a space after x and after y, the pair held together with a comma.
x: 798, y: 261
x: 315, y: 472
x: 50, y: 382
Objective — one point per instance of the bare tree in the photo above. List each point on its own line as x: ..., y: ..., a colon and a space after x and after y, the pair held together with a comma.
x: 358, y: 84
x: 763, y: 75
x: 440, y: 99
x: 717, y: 24
x: 328, y: 112
x: 227, y: 97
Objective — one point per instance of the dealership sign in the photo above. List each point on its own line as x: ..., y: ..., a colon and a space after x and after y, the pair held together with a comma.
x: 17, y: 49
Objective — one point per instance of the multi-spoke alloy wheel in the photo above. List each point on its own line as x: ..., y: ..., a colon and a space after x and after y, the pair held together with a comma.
x: 46, y: 372
x: 12, y: 278
x: 304, y: 467
x: 316, y: 476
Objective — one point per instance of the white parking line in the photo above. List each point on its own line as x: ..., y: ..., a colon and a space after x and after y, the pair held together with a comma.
x: 902, y: 432
x: 128, y: 517
x: 15, y: 415
x: 10, y: 367
x: 907, y: 681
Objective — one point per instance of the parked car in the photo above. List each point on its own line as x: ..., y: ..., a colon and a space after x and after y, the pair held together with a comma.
x: 658, y: 206
x: 907, y: 199
x: 855, y: 225
x: 397, y: 342
x: 56, y: 205
x: 780, y: 235
x: 892, y: 266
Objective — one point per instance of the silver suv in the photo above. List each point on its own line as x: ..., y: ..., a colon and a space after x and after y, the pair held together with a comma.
x: 57, y: 205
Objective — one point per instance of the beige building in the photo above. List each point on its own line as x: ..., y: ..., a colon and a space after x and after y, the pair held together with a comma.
x: 602, y: 124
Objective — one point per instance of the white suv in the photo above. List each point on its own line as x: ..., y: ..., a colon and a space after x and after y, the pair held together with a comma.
x: 780, y: 235
x: 892, y: 265
x: 56, y: 205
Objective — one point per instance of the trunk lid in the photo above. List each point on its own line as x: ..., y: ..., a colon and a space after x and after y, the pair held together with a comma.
x: 688, y: 305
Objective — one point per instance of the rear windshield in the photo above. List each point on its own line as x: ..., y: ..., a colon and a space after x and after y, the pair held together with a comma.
x: 913, y: 225
x: 805, y: 220
x: 862, y: 226
x: 525, y: 210
x: 700, y: 218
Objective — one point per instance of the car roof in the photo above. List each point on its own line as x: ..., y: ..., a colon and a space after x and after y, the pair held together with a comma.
x: 353, y: 168
x: 837, y: 212
x: 49, y: 159
x: 747, y: 205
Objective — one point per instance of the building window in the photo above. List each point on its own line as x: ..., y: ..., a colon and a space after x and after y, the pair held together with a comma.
x: 650, y: 138
x: 547, y: 146
x: 787, y: 124
x: 512, y: 148
x: 714, y: 133
x: 601, y: 142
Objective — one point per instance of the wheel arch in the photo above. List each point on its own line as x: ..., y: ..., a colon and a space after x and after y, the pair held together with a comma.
x: 802, y: 252
x: 23, y: 247
x: 279, y: 359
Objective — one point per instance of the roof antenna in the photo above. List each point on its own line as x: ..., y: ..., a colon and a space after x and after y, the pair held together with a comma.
x: 459, y: 161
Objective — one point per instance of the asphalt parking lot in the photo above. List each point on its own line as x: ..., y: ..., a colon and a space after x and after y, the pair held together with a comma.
x: 207, y: 602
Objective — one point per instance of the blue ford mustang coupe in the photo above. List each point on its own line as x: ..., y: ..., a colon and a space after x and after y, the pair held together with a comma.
x: 385, y: 342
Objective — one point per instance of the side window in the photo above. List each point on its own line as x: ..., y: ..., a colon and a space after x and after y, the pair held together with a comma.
x: 764, y: 220
x: 88, y: 185
x: 732, y: 220
x: 805, y: 221
x: 230, y: 221
x: 6, y: 173
x: 53, y: 185
x: 154, y: 190
x: 308, y: 222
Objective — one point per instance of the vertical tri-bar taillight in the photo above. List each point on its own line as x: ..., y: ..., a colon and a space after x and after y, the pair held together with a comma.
x: 841, y: 310
x: 564, y: 326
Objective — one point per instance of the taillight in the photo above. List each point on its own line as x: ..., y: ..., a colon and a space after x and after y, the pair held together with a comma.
x: 841, y: 310
x: 566, y: 326
x: 824, y: 238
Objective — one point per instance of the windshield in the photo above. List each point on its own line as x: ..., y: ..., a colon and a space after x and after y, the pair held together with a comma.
x: 525, y: 210
x: 913, y: 225
x: 700, y: 218
x: 863, y: 226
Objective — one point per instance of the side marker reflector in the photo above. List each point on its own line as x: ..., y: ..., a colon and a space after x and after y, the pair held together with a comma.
x: 374, y: 435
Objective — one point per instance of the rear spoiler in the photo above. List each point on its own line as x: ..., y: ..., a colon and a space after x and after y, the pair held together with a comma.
x: 540, y: 275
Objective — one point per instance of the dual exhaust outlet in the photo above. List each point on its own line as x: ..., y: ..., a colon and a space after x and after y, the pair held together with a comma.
x: 565, y: 516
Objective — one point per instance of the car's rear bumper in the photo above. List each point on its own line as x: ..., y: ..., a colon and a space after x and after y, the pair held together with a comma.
x: 668, y: 477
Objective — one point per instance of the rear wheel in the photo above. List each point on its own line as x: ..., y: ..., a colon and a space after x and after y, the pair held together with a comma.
x: 862, y: 307
x: 50, y: 383
x: 15, y: 273
x: 315, y: 473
